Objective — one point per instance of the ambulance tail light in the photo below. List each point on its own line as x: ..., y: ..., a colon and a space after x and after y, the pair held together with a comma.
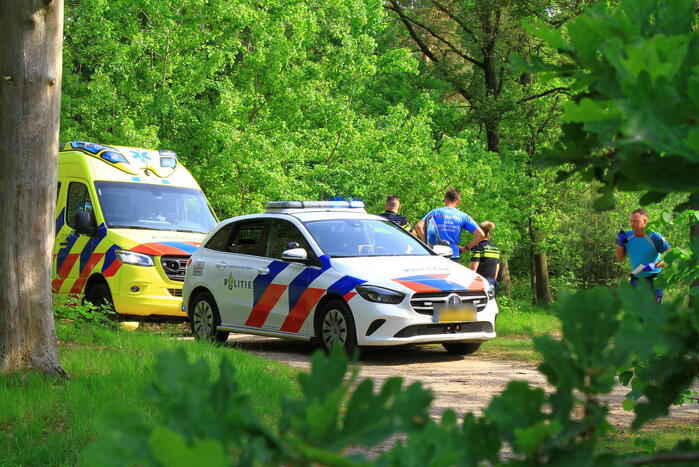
x: 137, y: 259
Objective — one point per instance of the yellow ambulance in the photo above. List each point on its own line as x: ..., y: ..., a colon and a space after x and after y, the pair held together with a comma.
x: 127, y: 221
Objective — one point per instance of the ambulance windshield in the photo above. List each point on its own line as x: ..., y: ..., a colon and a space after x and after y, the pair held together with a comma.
x: 345, y: 238
x: 154, y: 207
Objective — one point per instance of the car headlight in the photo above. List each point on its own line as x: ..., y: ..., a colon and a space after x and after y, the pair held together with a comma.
x: 131, y: 257
x: 379, y: 294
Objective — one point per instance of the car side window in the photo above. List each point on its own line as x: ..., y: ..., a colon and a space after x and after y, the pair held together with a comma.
x: 219, y: 241
x: 248, y: 239
x: 281, y: 233
x: 78, y: 200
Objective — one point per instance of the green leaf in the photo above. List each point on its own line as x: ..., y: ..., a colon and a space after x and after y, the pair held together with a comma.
x: 588, y: 110
x: 628, y: 404
x: 169, y: 448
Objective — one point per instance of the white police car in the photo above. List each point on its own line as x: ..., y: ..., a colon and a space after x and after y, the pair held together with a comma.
x: 330, y: 272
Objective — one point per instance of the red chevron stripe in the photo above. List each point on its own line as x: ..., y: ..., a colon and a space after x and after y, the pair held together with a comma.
x: 64, y: 271
x: 349, y: 295
x: 158, y: 249
x: 477, y: 284
x: 418, y: 287
x: 308, y: 300
x: 269, y: 298
x: 113, y: 268
x: 89, y: 266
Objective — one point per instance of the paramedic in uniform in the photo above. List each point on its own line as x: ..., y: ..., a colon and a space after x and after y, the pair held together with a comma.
x: 643, y: 251
x: 444, y: 225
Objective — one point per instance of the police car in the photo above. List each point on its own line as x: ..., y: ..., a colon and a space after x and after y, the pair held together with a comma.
x: 330, y: 272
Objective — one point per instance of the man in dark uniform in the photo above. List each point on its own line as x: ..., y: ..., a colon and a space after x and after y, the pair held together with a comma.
x: 392, y: 207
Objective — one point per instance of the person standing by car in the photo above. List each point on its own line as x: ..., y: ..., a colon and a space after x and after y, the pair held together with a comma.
x: 444, y: 225
x: 486, y: 256
x: 391, y: 209
x: 643, y: 251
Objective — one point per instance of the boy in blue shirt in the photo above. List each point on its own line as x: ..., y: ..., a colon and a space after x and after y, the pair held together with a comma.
x: 643, y: 251
x: 445, y: 224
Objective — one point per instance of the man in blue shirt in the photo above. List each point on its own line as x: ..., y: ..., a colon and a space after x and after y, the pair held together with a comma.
x: 444, y: 225
x: 643, y: 251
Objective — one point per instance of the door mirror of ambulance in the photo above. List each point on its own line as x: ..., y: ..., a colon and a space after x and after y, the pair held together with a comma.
x: 442, y: 250
x: 298, y: 255
x: 84, y: 224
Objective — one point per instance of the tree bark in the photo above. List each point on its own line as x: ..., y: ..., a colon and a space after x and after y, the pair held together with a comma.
x: 543, y: 292
x: 693, y: 236
x: 504, y: 279
x: 31, y: 37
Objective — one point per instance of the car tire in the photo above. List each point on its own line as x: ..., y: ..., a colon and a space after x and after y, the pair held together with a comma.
x: 204, y: 318
x: 99, y: 295
x: 461, y: 348
x: 335, y: 324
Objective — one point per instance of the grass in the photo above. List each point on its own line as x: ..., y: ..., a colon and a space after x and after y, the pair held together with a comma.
x: 517, y: 323
x: 659, y: 435
x: 48, y: 422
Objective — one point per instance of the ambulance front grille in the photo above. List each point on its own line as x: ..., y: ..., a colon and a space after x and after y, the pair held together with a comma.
x: 174, y: 267
x: 423, y: 303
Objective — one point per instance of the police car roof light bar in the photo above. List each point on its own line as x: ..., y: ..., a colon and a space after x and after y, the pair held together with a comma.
x: 354, y: 204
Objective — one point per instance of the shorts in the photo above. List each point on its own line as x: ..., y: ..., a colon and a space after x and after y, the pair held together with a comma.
x: 658, y: 292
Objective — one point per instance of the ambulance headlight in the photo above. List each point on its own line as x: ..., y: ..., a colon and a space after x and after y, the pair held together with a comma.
x: 379, y: 294
x: 131, y: 257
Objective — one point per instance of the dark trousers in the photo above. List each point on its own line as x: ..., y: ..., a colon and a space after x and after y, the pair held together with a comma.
x: 649, y: 280
x: 494, y: 283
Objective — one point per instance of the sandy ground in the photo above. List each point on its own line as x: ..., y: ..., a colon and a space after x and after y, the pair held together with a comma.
x: 465, y: 384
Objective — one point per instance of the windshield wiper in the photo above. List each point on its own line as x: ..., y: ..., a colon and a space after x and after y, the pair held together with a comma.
x: 125, y: 226
x: 190, y: 231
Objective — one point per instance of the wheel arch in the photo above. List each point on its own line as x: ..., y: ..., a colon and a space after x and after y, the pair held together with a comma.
x: 197, y: 290
x: 95, y: 279
x: 321, y: 303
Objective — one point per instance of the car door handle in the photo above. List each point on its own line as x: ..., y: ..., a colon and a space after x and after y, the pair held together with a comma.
x: 221, y: 265
x: 263, y: 270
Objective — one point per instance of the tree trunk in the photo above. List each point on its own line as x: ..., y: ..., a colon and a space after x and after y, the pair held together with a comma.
x: 693, y: 236
x: 543, y: 292
x: 31, y: 37
x: 532, y: 262
x: 504, y: 279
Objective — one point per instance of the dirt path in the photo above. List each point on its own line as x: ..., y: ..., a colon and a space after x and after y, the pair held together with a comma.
x: 465, y: 384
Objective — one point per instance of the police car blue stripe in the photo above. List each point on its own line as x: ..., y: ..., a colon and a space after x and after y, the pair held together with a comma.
x: 262, y: 281
x: 301, y: 282
x: 345, y: 285
x: 441, y: 284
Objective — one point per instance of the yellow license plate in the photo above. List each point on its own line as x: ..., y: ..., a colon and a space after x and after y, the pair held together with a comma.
x: 464, y: 312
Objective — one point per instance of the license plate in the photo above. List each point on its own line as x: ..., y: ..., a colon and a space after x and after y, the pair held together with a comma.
x: 450, y: 314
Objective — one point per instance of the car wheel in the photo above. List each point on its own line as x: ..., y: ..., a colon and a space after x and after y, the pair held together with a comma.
x: 100, y: 295
x: 461, y: 348
x: 336, y: 325
x: 204, y: 319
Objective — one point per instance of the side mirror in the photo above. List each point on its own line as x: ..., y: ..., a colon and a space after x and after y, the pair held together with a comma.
x: 297, y: 255
x: 84, y: 224
x: 443, y: 250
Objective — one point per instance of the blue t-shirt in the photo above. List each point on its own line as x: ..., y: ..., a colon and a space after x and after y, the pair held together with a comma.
x: 643, y: 250
x: 448, y: 222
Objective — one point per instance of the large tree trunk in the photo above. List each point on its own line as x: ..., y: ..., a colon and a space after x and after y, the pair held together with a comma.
x: 31, y: 37
x: 543, y: 292
x: 504, y: 279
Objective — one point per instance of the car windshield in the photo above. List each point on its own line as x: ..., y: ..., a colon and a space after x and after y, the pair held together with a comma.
x: 346, y: 238
x: 154, y: 207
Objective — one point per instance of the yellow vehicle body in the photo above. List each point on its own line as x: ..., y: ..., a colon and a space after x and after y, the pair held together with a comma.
x: 147, y: 216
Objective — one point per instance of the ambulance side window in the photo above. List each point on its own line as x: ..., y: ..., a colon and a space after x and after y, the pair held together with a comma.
x: 219, y: 241
x: 281, y: 233
x: 248, y: 239
x: 78, y: 200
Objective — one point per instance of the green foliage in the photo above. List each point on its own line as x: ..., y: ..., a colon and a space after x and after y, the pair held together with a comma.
x: 636, y: 69
x: 73, y: 317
